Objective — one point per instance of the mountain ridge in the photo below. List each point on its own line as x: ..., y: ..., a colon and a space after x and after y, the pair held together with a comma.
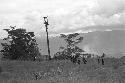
x: 97, y: 42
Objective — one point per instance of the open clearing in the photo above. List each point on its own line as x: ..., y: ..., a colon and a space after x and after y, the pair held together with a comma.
x: 63, y: 72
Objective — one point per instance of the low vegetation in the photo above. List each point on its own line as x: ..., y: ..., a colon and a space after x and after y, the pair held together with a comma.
x: 23, y: 64
x: 63, y: 71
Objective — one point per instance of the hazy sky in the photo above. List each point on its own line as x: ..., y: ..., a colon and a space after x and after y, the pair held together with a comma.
x: 65, y: 16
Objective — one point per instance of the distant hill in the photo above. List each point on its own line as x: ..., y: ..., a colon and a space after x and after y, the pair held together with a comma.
x: 110, y: 42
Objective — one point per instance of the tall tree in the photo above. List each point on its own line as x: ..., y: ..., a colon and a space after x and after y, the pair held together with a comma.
x: 20, y: 45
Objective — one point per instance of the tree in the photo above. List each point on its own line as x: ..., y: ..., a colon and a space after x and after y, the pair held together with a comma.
x: 20, y: 45
x: 71, y: 51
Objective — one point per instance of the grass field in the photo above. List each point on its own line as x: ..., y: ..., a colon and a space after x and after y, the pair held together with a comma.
x: 63, y: 72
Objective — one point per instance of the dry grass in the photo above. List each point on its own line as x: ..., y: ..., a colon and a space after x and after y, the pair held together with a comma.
x: 63, y: 72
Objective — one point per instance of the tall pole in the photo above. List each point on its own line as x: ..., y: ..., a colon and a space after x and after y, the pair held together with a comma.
x: 46, y: 25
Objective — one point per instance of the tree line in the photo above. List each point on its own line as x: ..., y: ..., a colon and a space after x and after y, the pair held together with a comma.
x: 22, y: 45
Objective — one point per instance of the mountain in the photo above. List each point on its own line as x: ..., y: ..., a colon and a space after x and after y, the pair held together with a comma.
x: 111, y: 43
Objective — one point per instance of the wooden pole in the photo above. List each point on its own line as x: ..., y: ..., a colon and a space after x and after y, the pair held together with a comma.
x: 46, y: 25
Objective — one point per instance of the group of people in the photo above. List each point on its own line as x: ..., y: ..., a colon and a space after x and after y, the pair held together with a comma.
x: 100, y: 59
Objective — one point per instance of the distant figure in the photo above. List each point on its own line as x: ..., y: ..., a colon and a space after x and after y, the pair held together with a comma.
x: 101, y: 58
x: 98, y: 57
x: 34, y: 58
x: 84, y: 60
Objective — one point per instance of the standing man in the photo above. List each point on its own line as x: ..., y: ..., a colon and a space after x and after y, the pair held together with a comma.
x: 102, y: 57
x: 98, y: 58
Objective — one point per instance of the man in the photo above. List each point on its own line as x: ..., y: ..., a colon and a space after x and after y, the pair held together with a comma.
x: 102, y: 57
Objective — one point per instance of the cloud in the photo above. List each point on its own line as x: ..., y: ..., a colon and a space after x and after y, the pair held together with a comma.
x: 65, y: 16
x: 110, y: 7
x: 103, y: 13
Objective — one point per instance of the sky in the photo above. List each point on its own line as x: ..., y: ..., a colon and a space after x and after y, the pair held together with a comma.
x: 65, y: 16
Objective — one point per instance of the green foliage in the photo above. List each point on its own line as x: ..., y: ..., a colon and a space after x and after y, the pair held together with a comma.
x: 20, y: 45
x: 71, y: 50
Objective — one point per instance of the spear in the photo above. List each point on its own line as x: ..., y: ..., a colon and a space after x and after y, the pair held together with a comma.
x: 46, y: 25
